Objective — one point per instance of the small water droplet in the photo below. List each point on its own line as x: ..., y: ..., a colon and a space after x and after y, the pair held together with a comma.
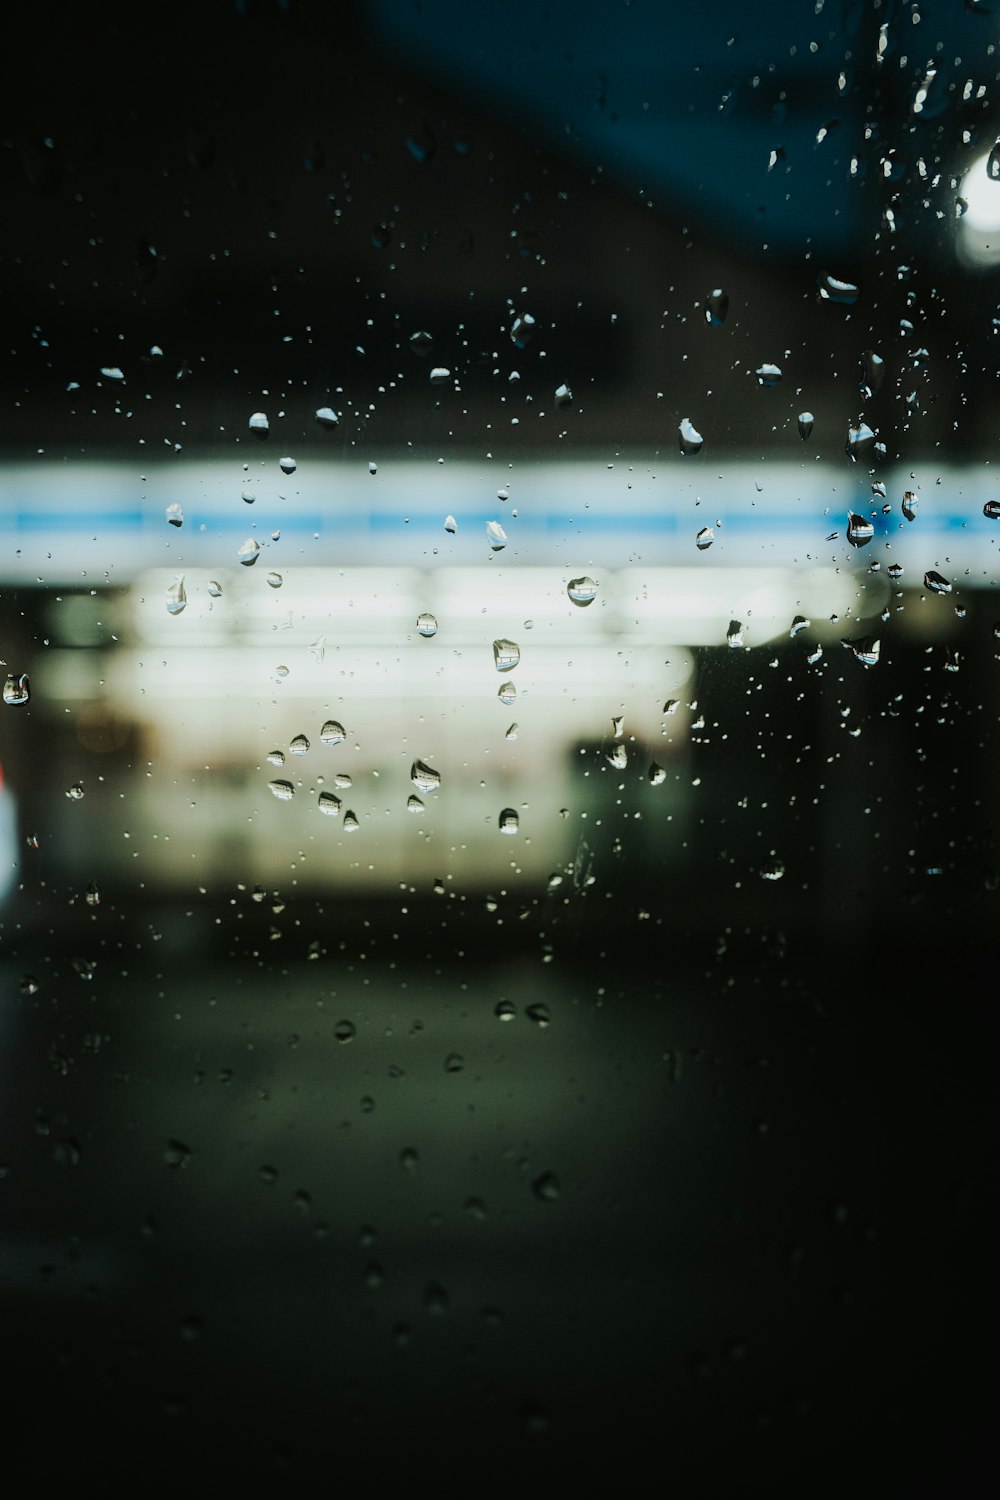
x: 420, y: 342
x: 450, y: 524
x: 29, y: 985
x: 287, y: 465
x: 215, y: 589
x: 496, y: 536
x: 326, y: 417
x: 546, y: 1187
x: 734, y: 635
x: 176, y: 597
x: 582, y: 591
x: 409, y: 1159
x: 936, y: 583
x: 564, y: 396
x: 859, y: 531
x: 508, y: 821
x: 617, y: 757
x: 92, y: 895
x: 704, y: 539
x: 17, y: 690
x: 539, y: 1013
x: 768, y: 375
x: 895, y: 570
x: 175, y: 515
x: 806, y: 423
x: 75, y: 792
x: 507, y: 693
x: 299, y: 745
x: 275, y: 580
x: 690, y: 439
x: 276, y: 757
x: 454, y: 1062
x: 865, y: 651
x: 176, y: 1154
x: 772, y: 869
x: 259, y: 425
x: 317, y: 648
x: 248, y: 552
x: 426, y: 625
x: 511, y: 733
x: 657, y: 774
x: 860, y: 441
x: 342, y: 781
x: 329, y: 804
x: 506, y: 655
x: 799, y: 623
x: 909, y: 506
x: 281, y: 671
x: 872, y: 373
x: 504, y: 1010
x: 332, y: 733
x: 833, y: 289
x: 345, y: 1031
x: 522, y: 329
x: 282, y: 790
x: 424, y: 777
x: 414, y: 804
x: 351, y: 824
x: 716, y: 308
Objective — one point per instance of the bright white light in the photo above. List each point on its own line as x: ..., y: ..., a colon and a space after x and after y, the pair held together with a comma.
x: 979, y: 226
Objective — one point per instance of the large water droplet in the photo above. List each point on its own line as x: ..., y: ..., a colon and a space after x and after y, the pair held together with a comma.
x: 275, y: 757
x: 798, y: 623
x: 176, y: 597
x: 546, y: 1187
x: 993, y: 163
x: 657, y: 775
x: 215, y: 589
x: 508, y: 821
x: 326, y: 417
x: 440, y: 375
x: 342, y: 781
x: 450, y: 525
x: 704, y: 539
x: 506, y: 655
x: 283, y: 790
x: 909, y: 506
x: 833, y: 289
x: 287, y: 465
x: 17, y: 690
x: 936, y: 583
x: 582, y: 591
x: 259, y: 425
x: 420, y: 342
x: 496, y: 536
x: 564, y: 397
x: 507, y: 692
x: 329, y: 804
x: 991, y: 510
x: 300, y: 745
x: 859, y: 530
x: 332, y: 733
x: 414, y: 804
x: 617, y: 756
x: 426, y: 625
x: 806, y: 422
x: 860, y: 441
x: 768, y: 375
x: 75, y: 792
x: 175, y: 515
x: 522, y: 330
x: 865, y: 651
x: 424, y: 777
x: 772, y: 869
x: 351, y: 824
x: 689, y: 437
x: 734, y: 635
x: 872, y: 373
x: 248, y: 552
x: 716, y: 308
x: 275, y: 580
x: 511, y: 733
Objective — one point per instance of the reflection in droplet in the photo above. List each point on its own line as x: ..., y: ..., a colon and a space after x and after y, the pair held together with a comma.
x: 249, y: 552
x: 424, y: 777
x: 329, y: 804
x: 259, y: 424
x: 332, y: 733
x: 859, y: 531
x: 832, y: 289
x: 582, y: 591
x: 734, y: 635
x: 909, y: 506
x: 440, y: 375
x: 865, y: 651
x: 283, y: 790
x: 507, y: 692
x: 496, y: 536
x: 326, y: 417
x: 617, y: 757
x: 768, y: 375
x: 991, y: 510
x: 450, y: 525
x: 657, y: 775
x: 176, y: 597
x: 508, y: 821
x: 414, y: 804
x: 506, y: 655
x: 772, y: 869
x: 895, y: 570
x: 690, y: 438
x: 175, y: 515
x: 350, y: 822
x: 716, y: 307
x: 215, y: 589
x: 287, y: 465
x: 936, y: 583
x: 806, y: 422
x: 299, y: 745
x: 799, y: 623
x: 872, y: 373
x: 17, y: 690
x: 511, y: 733
x: 704, y: 539
x: 860, y: 441
x: 275, y: 580
x: 426, y: 625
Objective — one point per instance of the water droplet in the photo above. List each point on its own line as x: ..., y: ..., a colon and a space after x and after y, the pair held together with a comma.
x: 75, y: 792
x: 332, y: 733
x: 690, y: 438
x: 275, y: 757
x: 112, y: 372
x: 546, y: 1187
x: 299, y: 745
x: 420, y: 342
x: 734, y: 635
x: 833, y: 289
x: 342, y: 781
x: 704, y: 539
x: 657, y: 775
x: 860, y: 441
x: 496, y: 536
x: 506, y: 655
x: 936, y: 583
x: 716, y: 308
x: 345, y: 1031
x: 768, y: 375
x: 248, y: 552
x: 326, y: 417
x: 450, y: 525
x: 806, y: 422
x: 176, y: 597
x: 414, y: 804
x: 872, y: 373
x: 909, y: 506
x: 539, y: 1013
x: 29, y: 985
x: 522, y: 330
x: 283, y: 790
x: 961, y: 207
x: 564, y: 396
x: 865, y: 651
x: 215, y: 589
x: 424, y: 777
x: 859, y: 531
x: 508, y: 821
x: 554, y: 881
x: 504, y: 1010
x: 249, y: 497
x: 317, y: 648
x: 92, y: 895
x: 275, y: 580
x: 617, y: 757
x: 772, y: 869
x: 426, y: 625
x: 507, y: 692
x: 895, y: 570
x: 454, y: 1062
x: 582, y: 591
x: 511, y: 733
x: 351, y: 824
x: 259, y: 425
x: 281, y: 671
x: 440, y: 375
x: 799, y: 623
x: 174, y: 514
x: 17, y: 690
x: 287, y: 465
x: 991, y: 510
x: 409, y: 1159
x: 176, y: 1154
x: 329, y: 804
x: 618, y: 725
